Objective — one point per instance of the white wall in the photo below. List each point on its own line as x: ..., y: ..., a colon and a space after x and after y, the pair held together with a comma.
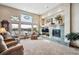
x: 75, y: 17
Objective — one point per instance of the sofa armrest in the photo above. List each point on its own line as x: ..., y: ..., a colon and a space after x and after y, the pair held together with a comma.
x: 10, y: 44
x: 15, y: 50
x: 8, y: 40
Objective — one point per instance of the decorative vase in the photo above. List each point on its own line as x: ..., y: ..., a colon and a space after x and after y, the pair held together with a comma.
x: 74, y: 43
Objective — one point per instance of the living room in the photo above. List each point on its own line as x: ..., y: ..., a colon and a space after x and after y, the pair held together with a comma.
x: 38, y: 28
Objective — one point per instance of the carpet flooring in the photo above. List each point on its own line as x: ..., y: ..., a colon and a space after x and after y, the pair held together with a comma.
x: 46, y: 47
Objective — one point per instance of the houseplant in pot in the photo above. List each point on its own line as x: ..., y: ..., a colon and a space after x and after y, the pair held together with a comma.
x: 74, y: 39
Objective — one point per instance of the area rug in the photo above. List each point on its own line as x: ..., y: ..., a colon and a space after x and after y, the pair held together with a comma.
x: 46, y: 47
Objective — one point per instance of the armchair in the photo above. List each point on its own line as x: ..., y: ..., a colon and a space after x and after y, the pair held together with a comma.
x: 34, y: 36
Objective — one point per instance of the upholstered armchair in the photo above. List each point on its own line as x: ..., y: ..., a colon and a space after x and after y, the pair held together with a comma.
x: 34, y: 36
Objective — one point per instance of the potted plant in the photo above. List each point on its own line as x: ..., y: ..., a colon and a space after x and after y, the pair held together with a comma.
x: 74, y: 39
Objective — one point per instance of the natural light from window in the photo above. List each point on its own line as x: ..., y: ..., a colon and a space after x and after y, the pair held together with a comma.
x: 26, y: 18
x: 26, y: 26
x: 15, y: 25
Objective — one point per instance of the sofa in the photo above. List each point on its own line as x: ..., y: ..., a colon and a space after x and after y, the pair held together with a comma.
x: 15, y: 50
x: 10, y: 47
x: 10, y: 42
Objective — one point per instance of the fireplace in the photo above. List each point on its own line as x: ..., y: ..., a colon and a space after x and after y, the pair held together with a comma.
x: 56, y: 33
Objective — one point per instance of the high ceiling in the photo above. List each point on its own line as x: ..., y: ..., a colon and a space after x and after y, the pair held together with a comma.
x: 37, y: 8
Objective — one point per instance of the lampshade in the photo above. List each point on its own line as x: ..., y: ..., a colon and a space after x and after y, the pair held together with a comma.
x: 2, y: 30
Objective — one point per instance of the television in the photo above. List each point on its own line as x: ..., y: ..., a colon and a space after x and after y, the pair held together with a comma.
x: 45, y: 30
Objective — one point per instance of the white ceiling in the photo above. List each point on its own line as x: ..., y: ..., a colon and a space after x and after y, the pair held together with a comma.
x: 37, y: 8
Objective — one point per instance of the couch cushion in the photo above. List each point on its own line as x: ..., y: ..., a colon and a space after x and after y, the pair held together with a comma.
x: 2, y: 44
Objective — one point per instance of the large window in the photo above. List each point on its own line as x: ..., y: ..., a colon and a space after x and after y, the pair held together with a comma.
x: 26, y: 18
x: 15, y: 26
x: 25, y: 29
x: 14, y: 18
x: 22, y: 25
x: 15, y: 29
x: 26, y: 24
